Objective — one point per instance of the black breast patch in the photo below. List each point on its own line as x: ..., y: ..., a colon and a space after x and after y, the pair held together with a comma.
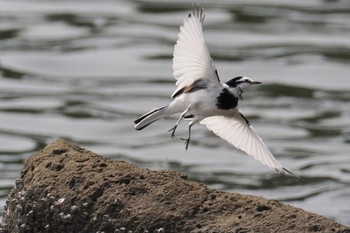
x: 226, y: 100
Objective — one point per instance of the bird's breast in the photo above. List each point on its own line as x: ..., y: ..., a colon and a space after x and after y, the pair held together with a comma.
x: 226, y: 100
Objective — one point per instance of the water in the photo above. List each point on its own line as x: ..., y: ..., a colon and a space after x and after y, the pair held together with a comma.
x: 84, y: 70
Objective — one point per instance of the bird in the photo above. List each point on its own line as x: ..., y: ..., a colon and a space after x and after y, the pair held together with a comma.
x: 200, y: 96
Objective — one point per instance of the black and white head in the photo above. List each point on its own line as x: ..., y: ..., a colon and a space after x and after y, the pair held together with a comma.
x: 239, y: 84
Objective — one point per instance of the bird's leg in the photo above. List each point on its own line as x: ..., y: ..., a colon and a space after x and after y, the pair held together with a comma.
x: 194, y: 121
x: 187, y: 140
x: 173, y: 131
x: 178, y: 121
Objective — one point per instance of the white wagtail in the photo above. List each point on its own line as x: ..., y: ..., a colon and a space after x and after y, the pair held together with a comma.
x: 200, y: 96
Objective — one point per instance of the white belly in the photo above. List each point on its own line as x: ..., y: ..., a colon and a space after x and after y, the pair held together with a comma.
x: 202, y: 103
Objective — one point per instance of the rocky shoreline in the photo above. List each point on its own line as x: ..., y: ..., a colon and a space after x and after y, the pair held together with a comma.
x: 65, y: 188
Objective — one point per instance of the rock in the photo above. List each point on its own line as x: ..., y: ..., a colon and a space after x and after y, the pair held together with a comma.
x: 65, y: 188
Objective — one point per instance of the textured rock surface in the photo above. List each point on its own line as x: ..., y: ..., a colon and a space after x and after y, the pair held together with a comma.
x: 65, y: 188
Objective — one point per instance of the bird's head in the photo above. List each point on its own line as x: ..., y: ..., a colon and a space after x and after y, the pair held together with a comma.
x: 240, y: 84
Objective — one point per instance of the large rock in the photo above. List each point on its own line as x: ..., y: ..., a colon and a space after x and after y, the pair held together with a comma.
x: 65, y: 188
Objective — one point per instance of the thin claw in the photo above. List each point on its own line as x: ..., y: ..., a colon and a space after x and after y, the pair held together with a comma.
x: 187, y: 142
x: 178, y: 121
x: 173, y: 131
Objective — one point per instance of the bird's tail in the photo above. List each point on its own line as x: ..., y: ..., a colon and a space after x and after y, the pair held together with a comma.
x: 150, y: 117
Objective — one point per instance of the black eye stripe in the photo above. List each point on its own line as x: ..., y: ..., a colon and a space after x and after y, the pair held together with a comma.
x: 244, y: 81
x: 237, y: 80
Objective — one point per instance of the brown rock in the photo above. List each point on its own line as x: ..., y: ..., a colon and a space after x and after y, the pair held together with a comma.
x: 65, y: 188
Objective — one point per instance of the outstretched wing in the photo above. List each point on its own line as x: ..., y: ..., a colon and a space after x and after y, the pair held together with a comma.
x: 192, y: 61
x: 237, y: 130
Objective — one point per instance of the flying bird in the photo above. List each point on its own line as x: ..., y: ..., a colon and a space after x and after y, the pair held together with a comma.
x: 200, y: 96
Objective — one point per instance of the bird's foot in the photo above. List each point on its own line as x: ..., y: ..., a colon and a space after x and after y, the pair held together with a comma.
x: 187, y: 142
x: 173, y: 131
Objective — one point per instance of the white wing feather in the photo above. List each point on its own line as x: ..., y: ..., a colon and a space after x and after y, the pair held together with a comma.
x: 235, y: 130
x: 192, y: 60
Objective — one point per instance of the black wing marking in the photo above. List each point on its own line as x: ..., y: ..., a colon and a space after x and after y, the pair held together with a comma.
x: 195, y: 86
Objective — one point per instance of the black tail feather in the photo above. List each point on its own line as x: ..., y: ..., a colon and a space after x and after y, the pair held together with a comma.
x: 138, y: 120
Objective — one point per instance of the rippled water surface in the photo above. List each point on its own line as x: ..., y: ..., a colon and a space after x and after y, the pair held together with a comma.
x: 83, y: 70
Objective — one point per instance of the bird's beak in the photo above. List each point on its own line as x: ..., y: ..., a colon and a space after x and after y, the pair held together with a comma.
x: 256, y: 82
